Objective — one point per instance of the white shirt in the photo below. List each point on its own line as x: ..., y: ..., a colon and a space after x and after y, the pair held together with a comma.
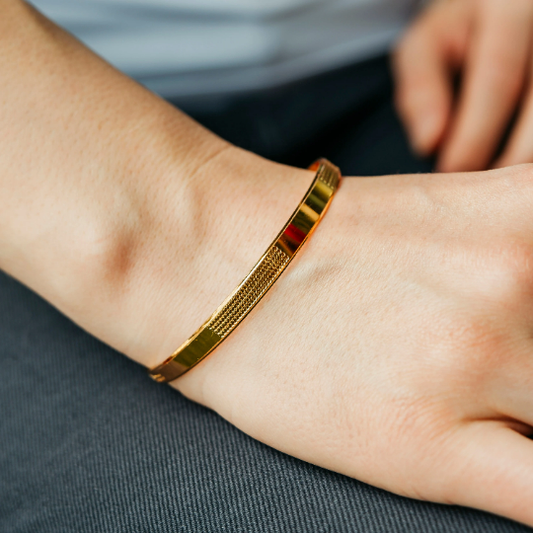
x: 182, y: 48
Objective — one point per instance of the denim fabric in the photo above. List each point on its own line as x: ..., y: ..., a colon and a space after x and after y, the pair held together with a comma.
x: 88, y: 443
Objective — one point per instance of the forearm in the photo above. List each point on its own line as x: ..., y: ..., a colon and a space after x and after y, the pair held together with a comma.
x: 69, y: 123
x: 116, y: 207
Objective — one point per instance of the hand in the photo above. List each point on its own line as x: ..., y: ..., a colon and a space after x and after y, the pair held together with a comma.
x: 489, y: 43
x: 397, y: 348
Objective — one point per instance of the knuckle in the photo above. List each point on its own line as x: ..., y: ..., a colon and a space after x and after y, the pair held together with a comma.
x: 467, y: 345
x: 468, y: 350
x: 515, y: 271
x: 465, y: 333
x: 504, y: 272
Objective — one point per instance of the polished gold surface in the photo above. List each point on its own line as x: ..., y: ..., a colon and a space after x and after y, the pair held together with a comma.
x: 267, y: 270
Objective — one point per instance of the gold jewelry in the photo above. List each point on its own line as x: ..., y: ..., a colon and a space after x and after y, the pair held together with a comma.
x: 244, y: 298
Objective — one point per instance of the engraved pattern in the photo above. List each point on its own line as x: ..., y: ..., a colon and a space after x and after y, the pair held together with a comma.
x: 329, y: 177
x: 262, y: 277
x: 250, y: 293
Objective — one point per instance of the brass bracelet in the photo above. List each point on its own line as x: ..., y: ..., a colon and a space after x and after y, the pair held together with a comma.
x: 267, y: 270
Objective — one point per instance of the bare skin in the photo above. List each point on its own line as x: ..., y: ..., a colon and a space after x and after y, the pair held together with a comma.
x: 490, y: 43
x: 396, y: 348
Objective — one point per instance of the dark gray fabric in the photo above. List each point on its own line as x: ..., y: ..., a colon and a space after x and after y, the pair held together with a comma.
x: 346, y: 115
x: 88, y: 443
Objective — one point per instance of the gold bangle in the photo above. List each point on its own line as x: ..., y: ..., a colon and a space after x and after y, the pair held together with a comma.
x: 267, y: 270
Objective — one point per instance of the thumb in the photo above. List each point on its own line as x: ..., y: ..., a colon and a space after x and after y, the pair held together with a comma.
x: 495, y: 472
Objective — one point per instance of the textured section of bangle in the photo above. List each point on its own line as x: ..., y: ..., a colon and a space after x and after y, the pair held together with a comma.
x: 267, y: 270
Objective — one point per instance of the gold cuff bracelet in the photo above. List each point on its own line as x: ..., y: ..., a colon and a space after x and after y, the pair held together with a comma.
x: 267, y: 270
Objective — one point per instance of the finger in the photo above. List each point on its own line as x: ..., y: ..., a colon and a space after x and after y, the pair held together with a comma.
x: 519, y: 148
x: 424, y: 65
x: 423, y: 91
x: 494, y: 472
x: 493, y: 81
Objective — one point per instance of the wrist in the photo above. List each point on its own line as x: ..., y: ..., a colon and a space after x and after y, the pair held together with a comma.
x: 173, y: 248
x: 186, y: 266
